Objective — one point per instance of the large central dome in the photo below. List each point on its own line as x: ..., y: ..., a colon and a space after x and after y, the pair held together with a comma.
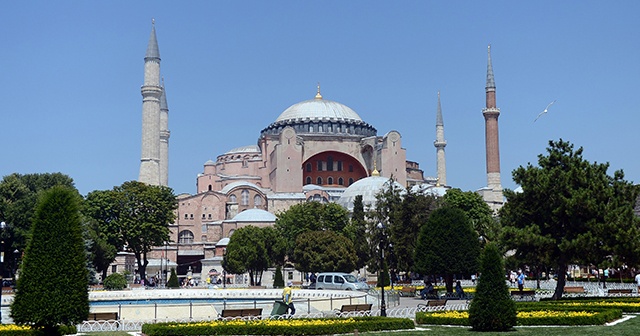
x: 321, y: 117
x: 319, y: 108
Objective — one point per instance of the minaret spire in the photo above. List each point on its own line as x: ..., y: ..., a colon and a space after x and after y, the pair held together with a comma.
x: 151, y: 93
x: 493, y: 196
x: 440, y: 144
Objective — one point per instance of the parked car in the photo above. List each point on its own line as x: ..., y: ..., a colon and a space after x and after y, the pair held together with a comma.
x: 340, y: 281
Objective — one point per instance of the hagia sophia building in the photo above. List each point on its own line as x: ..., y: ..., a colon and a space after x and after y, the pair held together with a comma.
x: 315, y: 150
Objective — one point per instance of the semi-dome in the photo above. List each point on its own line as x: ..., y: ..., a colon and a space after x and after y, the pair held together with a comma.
x: 368, y: 187
x: 318, y: 109
x: 255, y: 215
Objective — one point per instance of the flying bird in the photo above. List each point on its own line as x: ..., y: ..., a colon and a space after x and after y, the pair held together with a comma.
x: 546, y: 109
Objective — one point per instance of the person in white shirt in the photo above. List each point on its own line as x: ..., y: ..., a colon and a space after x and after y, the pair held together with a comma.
x: 638, y: 281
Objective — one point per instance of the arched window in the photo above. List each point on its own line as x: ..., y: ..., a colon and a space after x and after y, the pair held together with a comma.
x: 308, y: 180
x: 244, y: 197
x: 319, y: 180
x: 257, y: 200
x: 186, y: 216
x: 330, y: 180
x: 209, y: 216
x: 340, y: 181
x: 309, y: 166
x: 185, y: 237
x: 209, y: 187
x: 233, y: 199
x: 350, y: 181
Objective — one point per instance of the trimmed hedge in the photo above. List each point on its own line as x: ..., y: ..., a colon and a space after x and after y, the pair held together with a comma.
x: 322, y: 326
x: 16, y: 330
x: 627, y: 305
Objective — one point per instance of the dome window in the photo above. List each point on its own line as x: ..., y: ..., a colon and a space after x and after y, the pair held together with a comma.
x: 308, y: 180
x: 257, y: 200
x: 244, y: 196
x: 340, y: 181
x: 309, y: 167
x: 330, y: 180
x: 319, y: 180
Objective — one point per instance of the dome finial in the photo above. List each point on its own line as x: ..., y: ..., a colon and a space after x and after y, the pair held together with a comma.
x: 318, y: 95
x: 375, y: 171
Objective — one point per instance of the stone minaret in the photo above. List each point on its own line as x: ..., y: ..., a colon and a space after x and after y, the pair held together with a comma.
x: 493, y: 196
x: 164, y: 138
x: 151, y: 93
x: 440, y: 143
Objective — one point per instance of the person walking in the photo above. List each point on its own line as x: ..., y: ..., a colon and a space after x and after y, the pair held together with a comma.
x: 287, y: 298
x: 520, y: 281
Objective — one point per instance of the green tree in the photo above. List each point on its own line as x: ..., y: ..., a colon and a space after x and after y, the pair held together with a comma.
x: 570, y: 211
x: 310, y: 216
x: 476, y: 209
x: 101, y: 252
x: 52, y: 289
x: 357, y: 232
x: 388, y: 212
x: 278, y: 282
x: 135, y: 215
x: 18, y: 197
x: 173, y: 280
x: 447, y: 244
x: 414, y: 212
x: 324, y: 251
x: 247, y: 251
x: 115, y: 281
x: 492, y: 308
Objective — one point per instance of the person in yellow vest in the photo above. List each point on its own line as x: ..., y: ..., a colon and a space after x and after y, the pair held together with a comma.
x: 287, y: 298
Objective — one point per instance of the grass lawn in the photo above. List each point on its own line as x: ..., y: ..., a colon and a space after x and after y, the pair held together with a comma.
x: 627, y: 328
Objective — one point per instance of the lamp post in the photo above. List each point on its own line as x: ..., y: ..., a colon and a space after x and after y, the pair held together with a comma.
x: 3, y: 225
x: 383, y: 305
x: 224, y: 272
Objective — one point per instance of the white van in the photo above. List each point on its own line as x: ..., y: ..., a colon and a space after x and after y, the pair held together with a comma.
x: 340, y: 281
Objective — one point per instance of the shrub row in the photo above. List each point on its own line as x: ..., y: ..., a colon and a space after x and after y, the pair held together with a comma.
x: 279, y: 327
x: 627, y: 305
x: 540, y: 315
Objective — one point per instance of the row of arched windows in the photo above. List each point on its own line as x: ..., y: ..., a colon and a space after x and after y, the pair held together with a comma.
x: 330, y: 180
x: 244, y: 198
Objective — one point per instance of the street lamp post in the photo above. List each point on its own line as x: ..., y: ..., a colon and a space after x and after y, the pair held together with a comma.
x: 224, y: 272
x: 383, y: 305
x: 3, y: 225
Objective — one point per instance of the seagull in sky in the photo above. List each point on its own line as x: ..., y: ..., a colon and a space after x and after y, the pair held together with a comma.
x: 546, y: 109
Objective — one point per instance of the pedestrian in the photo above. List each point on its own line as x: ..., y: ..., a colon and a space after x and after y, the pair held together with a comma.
x: 520, y: 281
x: 288, y: 299
x: 638, y: 281
x: 459, y: 290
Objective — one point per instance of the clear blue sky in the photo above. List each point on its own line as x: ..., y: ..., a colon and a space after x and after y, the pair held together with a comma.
x: 71, y: 71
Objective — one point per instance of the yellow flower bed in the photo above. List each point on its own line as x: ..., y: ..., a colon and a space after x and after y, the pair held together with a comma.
x: 283, y: 322
x: 603, y: 303
x: 13, y: 327
x: 456, y: 314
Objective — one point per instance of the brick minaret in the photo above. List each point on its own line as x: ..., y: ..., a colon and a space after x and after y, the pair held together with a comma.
x: 151, y: 93
x: 440, y: 143
x: 493, y: 196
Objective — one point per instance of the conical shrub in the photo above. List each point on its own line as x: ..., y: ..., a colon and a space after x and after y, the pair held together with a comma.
x: 492, y: 308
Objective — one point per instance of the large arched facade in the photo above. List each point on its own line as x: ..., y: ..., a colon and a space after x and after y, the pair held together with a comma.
x: 332, y: 168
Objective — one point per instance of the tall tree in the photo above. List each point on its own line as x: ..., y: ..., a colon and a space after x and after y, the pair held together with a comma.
x: 447, y: 245
x: 248, y: 251
x: 324, y: 251
x: 357, y: 229
x: 414, y: 212
x: 135, y: 215
x: 571, y: 211
x: 18, y: 196
x: 476, y: 209
x: 52, y: 289
x: 310, y: 216
x: 388, y: 213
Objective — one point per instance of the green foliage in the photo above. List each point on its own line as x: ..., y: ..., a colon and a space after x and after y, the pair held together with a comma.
x: 310, y: 216
x: 357, y: 231
x: 476, y: 209
x: 52, y: 288
x: 278, y: 282
x: 251, y: 249
x: 136, y: 215
x: 173, y: 280
x: 18, y: 197
x: 115, y: 281
x: 492, y: 308
x: 447, y: 244
x: 279, y: 327
x: 383, y: 279
x: 570, y: 211
x: 324, y: 251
